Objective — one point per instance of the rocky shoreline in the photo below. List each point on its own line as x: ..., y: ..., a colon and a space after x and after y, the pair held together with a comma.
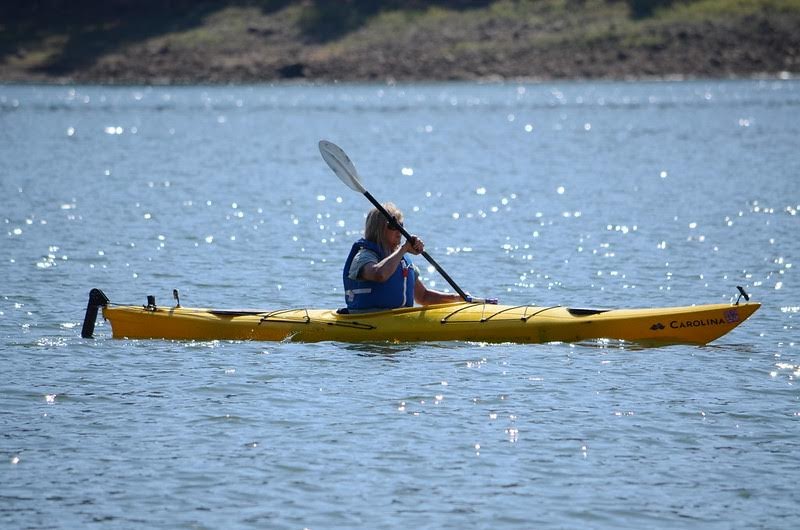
x: 249, y: 45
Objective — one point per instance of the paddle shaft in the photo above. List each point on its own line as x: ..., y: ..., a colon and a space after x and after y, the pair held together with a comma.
x: 341, y: 164
x: 425, y: 255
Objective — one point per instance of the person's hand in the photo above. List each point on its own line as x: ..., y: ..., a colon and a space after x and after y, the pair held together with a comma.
x: 414, y: 245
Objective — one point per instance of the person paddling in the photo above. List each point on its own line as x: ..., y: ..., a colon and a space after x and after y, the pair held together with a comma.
x: 378, y: 274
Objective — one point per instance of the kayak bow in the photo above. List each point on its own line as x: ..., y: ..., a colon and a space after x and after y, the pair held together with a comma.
x: 461, y: 321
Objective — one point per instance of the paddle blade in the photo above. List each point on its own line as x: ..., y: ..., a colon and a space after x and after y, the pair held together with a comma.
x: 340, y: 163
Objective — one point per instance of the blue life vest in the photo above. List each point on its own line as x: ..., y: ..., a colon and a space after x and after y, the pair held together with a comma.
x: 397, y: 291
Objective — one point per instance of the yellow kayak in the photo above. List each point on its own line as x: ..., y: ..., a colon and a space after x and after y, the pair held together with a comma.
x: 479, y: 322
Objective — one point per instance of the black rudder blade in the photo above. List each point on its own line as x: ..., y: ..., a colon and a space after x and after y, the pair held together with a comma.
x: 96, y: 299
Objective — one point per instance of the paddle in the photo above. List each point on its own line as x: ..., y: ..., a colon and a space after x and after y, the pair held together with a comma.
x: 340, y: 163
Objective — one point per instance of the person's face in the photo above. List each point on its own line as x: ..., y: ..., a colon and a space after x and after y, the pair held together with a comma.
x: 392, y: 235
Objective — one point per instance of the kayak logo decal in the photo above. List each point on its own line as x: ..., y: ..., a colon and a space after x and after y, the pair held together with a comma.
x: 731, y: 316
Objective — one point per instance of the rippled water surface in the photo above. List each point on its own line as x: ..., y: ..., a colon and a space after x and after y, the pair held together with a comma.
x: 589, y: 194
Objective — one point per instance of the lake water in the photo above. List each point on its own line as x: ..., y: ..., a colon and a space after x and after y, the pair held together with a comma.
x: 588, y: 194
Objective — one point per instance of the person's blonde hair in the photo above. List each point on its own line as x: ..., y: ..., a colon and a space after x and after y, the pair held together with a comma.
x: 376, y: 222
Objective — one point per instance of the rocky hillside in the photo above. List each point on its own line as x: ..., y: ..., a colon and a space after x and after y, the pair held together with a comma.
x: 181, y: 41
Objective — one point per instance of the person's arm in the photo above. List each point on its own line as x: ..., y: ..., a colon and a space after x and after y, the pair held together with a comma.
x: 383, y: 270
x: 425, y: 296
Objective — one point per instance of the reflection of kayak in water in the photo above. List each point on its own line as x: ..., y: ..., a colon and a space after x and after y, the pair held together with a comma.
x: 446, y: 322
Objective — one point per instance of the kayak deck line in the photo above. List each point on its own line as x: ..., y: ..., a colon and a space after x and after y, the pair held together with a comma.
x: 274, y: 317
x: 457, y: 321
x: 505, y: 309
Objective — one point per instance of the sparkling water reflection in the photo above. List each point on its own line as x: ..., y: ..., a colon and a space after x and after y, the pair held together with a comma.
x: 606, y: 194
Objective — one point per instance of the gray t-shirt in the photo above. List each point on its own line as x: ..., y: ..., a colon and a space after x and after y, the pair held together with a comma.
x: 364, y: 256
